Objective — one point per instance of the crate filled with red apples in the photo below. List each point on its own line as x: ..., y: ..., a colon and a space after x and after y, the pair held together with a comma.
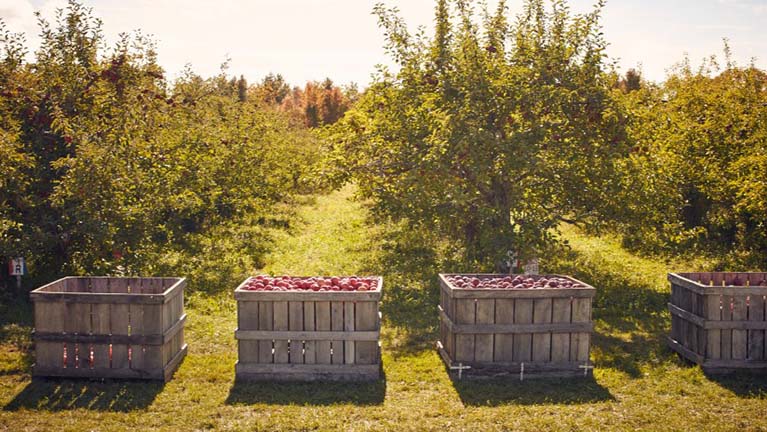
x: 531, y: 325
x: 308, y: 328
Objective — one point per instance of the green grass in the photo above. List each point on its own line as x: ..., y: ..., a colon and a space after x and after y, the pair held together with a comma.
x: 638, y: 383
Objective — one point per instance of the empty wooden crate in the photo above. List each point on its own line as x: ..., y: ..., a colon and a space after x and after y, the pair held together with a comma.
x: 308, y: 335
x: 525, y: 331
x: 109, y: 327
x: 718, y: 320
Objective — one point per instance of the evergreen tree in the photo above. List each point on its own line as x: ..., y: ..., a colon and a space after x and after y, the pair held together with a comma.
x: 242, y: 89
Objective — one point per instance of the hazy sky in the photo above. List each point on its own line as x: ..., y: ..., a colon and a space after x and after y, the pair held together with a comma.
x: 312, y: 39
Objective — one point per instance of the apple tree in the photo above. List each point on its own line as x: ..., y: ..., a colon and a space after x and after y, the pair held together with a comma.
x: 490, y: 133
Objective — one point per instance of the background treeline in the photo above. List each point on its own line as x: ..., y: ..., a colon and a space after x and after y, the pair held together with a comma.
x: 494, y: 131
x: 696, y: 175
x: 109, y: 168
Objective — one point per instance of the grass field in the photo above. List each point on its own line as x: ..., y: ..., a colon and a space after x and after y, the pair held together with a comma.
x: 638, y: 384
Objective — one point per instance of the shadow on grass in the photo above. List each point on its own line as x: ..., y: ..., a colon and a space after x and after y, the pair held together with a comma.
x: 509, y: 390
x: 743, y: 384
x: 409, y: 265
x: 16, y: 335
x: 58, y: 394
x: 318, y: 393
x: 65, y: 394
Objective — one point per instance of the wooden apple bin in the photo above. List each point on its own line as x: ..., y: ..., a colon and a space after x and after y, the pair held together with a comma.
x: 308, y: 335
x: 719, y: 321
x: 529, y: 332
x: 109, y: 327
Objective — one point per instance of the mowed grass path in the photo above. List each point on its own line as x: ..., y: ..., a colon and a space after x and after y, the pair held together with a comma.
x: 638, y: 383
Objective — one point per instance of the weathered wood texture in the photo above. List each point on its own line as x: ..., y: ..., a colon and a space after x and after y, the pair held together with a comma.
x: 107, y: 327
x: 545, y: 331
x: 718, y: 319
x: 307, y: 335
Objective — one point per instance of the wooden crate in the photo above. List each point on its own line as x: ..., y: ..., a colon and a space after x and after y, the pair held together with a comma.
x: 530, y: 332
x: 109, y: 327
x: 308, y: 335
x: 718, y: 320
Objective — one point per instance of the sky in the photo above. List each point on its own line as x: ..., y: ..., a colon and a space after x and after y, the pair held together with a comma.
x: 313, y: 39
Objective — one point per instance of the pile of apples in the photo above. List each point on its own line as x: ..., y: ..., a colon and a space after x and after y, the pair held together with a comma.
x: 334, y: 283
x: 511, y: 282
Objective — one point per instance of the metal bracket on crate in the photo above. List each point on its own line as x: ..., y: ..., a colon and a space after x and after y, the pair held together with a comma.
x: 522, y: 372
x: 449, y: 363
x: 460, y: 368
x: 586, y: 366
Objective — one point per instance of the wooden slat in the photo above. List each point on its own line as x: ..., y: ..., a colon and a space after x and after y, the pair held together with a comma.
x: 756, y: 314
x: 138, y: 357
x: 687, y: 316
x: 337, y: 324
x: 281, y: 323
x: 523, y: 314
x: 310, y: 346
x: 688, y: 354
x: 732, y: 365
x: 717, y: 288
x: 465, y: 313
x: 296, y: 323
x: 136, y: 313
x: 78, y: 318
x: 85, y: 297
x: 700, y: 310
x: 265, y: 322
x: 483, y: 343
x: 247, y: 319
x: 736, y: 325
x: 579, y: 342
x: 106, y: 338
x: 322, y: 323
x: 739, y: 337
x: 713, y: 337
x: 504, y: 342
x: 449, y: 310
x: 173, y: 364
x: 50, y: 317
x: 100, y: 324
x: 118, y: 285
x: 49, y: 355
x: 136, y: 285
x: 443, y: 330
x: 480, y: 329
x: 349, y: 348
x: 152, y: 322
x: 726, y: 335
x: 55, y: 286
x: 757, y: 279
x: 366, y: 319
x: 560, y: 342
x: 118, y: 325
x: 542, y: 341
x: 247, y: 315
